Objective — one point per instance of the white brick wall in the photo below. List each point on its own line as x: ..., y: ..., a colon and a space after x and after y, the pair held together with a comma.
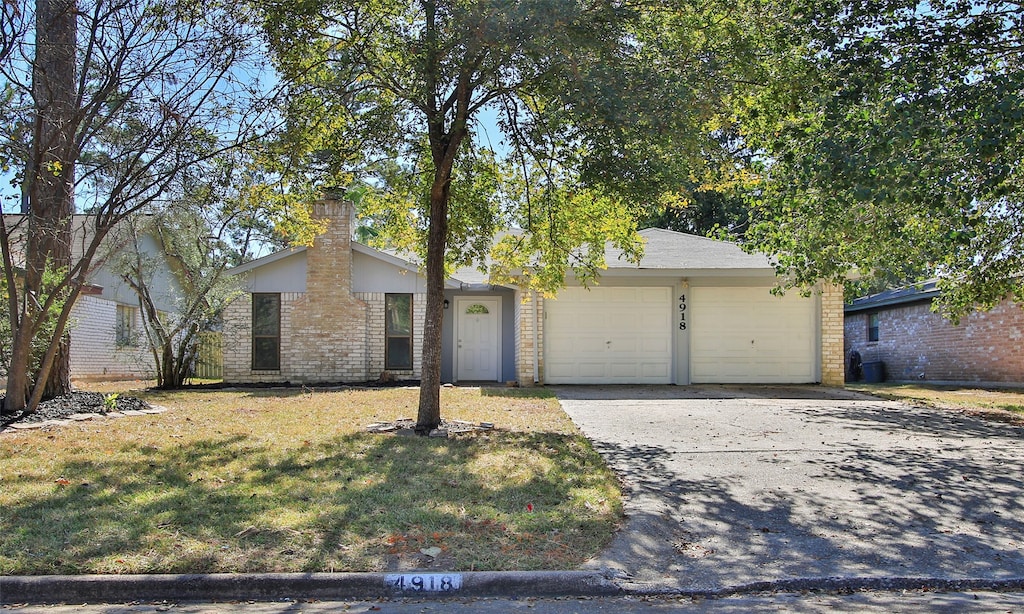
x: 94, y: 353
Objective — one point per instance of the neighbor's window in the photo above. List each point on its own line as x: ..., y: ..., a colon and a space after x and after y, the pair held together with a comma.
x: 872, y: 327
x: 266, y: 332
x: 398, y: 331
x: 123, y: 328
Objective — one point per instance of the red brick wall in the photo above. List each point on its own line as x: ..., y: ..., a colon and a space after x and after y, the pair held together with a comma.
x: 919, y: 345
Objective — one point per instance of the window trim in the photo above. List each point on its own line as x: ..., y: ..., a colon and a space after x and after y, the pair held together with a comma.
x: 276, y: 337
x: 388, y: 336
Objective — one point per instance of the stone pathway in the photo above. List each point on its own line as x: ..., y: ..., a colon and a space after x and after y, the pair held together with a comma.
x: 31, y: 426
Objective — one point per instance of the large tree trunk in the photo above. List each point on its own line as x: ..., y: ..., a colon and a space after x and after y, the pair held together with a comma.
x: 54, y: 88
x: 18, y: 378
x: 50, y: 187
x: 59, y: 381
x: 444, y: 148
x: 429, y: 414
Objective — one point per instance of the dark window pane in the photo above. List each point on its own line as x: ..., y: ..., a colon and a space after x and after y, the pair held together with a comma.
x: 265, y: 354
x: 398, y: 314
x: 266, y: 314
x: 399, y: 353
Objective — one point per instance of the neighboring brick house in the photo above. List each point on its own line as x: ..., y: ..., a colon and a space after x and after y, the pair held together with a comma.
x: 899, y: 328
x: 105, y: 327
x: 693, y: 311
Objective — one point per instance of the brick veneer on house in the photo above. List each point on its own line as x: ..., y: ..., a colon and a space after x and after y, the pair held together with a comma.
x: 832, y: 365
x: 94, y: 353
x: 529, y: 311
x: 917, y: 344
x: 328, y: 333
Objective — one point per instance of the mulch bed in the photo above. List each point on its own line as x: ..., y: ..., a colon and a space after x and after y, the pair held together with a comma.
x: 78, y: 402
x: 407, y: 426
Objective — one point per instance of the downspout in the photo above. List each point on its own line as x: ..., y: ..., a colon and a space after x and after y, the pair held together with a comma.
x: 536, y: 337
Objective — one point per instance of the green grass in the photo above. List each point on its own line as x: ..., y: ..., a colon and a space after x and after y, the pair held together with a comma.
x: 280, y: 481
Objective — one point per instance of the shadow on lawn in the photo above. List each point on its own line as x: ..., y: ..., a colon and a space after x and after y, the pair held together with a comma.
x: 355, y: 502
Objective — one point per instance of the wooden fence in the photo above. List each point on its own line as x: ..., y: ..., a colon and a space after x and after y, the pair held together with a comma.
x: 210, y: 360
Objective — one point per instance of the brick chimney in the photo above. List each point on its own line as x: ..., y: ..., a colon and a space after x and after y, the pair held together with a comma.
x: 329, y: 267
x: 328, y: 338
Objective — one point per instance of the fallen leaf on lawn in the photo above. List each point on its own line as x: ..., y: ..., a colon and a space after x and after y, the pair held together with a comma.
x: 246, y: 532
x: 432, y: 552
x: 62, y: 481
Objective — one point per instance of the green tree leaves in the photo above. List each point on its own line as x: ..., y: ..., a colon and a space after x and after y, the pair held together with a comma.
x: 898, y: 153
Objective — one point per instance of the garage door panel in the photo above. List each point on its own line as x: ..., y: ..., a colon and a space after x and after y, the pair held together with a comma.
x: 611, y: 335
x: 748, y: 335
x: 655, y: 370
x: 622, y: 370
x: 660, y: 345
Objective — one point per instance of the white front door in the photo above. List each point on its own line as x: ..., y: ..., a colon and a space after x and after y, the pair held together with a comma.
x: 478, y: 341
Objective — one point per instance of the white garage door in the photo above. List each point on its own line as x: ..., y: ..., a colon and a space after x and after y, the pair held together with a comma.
x: 749, y: 336
x: 609, y: 335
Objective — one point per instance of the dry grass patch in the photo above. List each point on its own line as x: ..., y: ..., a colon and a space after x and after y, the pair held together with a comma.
x: 287, y: 480
x: 1002, y: 404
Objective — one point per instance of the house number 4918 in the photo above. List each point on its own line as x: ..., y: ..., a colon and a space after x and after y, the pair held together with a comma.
x: 682, y: 312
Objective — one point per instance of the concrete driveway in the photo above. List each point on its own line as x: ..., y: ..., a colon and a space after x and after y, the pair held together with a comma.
x: 732, y: 486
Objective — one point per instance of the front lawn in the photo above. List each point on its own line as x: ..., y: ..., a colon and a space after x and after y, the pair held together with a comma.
x: 288, y: 480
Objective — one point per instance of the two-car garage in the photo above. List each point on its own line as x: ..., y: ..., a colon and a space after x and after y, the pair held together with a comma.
x: 680, y: 334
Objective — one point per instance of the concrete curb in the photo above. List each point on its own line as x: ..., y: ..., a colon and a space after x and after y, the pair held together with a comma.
x: 835, y: 584
x: 272, y: 587
x: 364, y: 586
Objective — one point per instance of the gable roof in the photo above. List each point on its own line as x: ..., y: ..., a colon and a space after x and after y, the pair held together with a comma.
x: 668, y: 249
x: 664, y: 250
x: 925, y: 291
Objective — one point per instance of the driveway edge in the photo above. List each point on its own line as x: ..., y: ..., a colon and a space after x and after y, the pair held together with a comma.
x: 279, y: 586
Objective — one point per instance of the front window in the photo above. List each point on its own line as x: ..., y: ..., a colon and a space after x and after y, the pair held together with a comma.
x: 398, y: 331
x: 266, y: 332
x: 873, y: 327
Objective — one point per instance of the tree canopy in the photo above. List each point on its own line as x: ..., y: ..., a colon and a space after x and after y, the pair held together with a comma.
x: 603, y: 107
x: 890, y: 140
x: 106, y: 105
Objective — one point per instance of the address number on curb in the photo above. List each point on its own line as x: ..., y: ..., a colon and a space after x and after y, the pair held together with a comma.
x: 424, y: 582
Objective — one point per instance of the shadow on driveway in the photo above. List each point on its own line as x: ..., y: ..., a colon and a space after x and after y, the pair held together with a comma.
x: 729, y: 486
